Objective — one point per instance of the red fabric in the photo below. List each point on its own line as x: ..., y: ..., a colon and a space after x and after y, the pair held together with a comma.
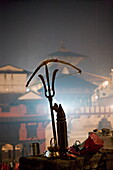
x: 97, y: 140
x: 89, y: 143
x: 91, y: 150
x: 92, y: 140
x: 90, y: 146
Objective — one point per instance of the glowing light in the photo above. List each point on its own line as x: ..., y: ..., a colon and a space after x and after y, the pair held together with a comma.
x: 105, y: 83
x: 111, y: 106
x: 39, y: 86
x: 96, y: 97
x: 27, y: 89
x: 54, y: 101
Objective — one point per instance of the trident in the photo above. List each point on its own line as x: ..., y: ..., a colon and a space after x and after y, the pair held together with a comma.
x: 50, y: 92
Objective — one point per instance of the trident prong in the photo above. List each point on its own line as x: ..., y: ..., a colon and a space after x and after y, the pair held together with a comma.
x: 50, y: 96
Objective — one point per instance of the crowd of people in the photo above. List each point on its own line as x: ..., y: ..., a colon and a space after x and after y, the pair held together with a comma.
x: 11, y: 165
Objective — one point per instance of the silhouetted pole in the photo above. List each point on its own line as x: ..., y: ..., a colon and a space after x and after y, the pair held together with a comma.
x: 50, y: 102
x: 50, y: 95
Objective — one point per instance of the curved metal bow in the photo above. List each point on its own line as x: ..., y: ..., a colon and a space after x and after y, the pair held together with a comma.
x: 49, y: 61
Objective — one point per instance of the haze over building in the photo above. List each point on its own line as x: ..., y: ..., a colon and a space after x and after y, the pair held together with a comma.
x: 30, y: 30
x: 26, y: 114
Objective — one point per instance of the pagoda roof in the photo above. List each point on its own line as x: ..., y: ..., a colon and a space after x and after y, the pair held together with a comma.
x: 89, y: 77
x: 65, y: 53
x: 12, y: 69
x: 30, y: 96
x: 71, y: 84
x: 73, y: 81
x: 93, y: 78
x: 9, y: 98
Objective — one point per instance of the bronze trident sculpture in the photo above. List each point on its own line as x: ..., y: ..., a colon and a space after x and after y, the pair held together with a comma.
x: 50, y: 92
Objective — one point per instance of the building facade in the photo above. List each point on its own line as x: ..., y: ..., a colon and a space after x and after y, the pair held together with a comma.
x: 24, y: 115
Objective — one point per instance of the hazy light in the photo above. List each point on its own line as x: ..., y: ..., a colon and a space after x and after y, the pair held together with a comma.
x: 105, y: 83
x: 96, y: 97
x: 27, y: 89
x: 54, y: 101
x: 34, y: 88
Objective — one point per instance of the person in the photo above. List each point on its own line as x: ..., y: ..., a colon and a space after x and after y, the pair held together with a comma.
x: 10, y: 165
x: 5, y: 166
x: 0, y: 166
x: 16, y: 167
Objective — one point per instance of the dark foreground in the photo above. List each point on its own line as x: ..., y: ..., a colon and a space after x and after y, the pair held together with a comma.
x: 100, y: 161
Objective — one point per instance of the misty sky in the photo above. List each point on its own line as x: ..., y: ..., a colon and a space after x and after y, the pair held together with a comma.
x: 31, y: 29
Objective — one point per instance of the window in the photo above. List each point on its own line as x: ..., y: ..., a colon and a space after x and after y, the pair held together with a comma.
x: 31, y: 108
x: 31, y: 130
x: 5, y: 108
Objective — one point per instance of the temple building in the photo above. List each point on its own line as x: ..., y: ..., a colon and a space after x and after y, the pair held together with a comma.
x: 24, y: 113
x: 103, y: 94
x: 75, y: 92
x: 64, y: 54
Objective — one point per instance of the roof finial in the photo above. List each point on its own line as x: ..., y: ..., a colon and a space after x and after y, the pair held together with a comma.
x: 62, y: 47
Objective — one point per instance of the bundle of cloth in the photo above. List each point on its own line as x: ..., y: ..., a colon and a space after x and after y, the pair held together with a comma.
x: 89, y: 147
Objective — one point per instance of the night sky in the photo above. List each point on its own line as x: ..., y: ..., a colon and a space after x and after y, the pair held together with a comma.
x: 31, y: 29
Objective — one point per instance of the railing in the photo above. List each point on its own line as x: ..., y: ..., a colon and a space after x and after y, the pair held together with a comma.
x: 21, y: 110
x: 91, y: 110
